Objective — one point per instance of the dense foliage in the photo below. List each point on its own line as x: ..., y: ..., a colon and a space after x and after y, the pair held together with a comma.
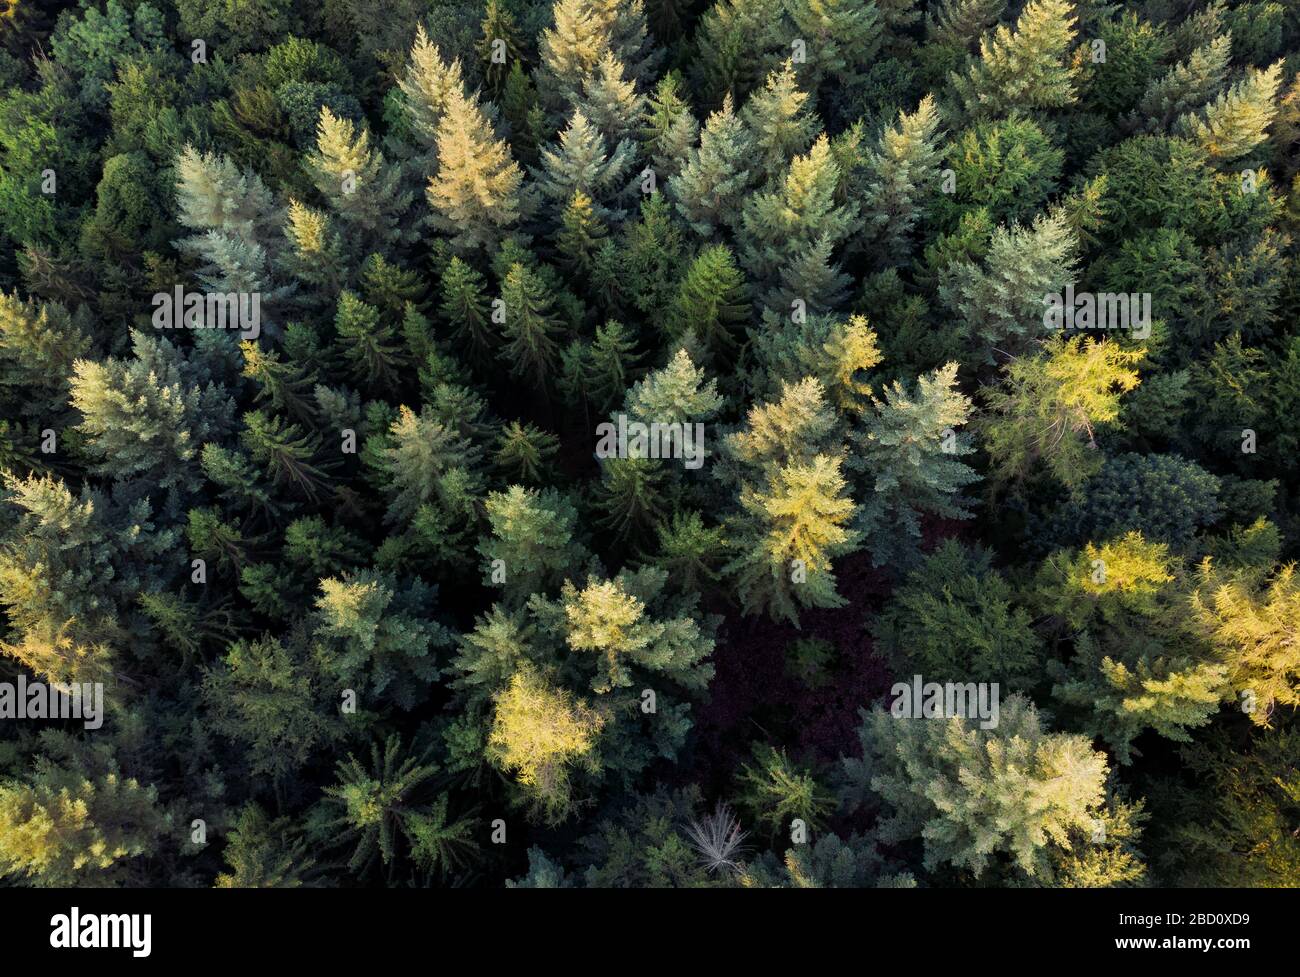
x: 384, y: 589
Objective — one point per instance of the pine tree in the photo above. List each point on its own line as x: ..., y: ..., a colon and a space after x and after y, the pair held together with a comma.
x: 709, y: 189
x: 376, y: 636
x: 440, y: 844
x: 498, y: 26
x: 236, y: 218
x: 475, y: 195
x: 676, y: 394
x: 777, y: 792
x: 969, y: 794
x: 908, y: 455
x: 902, y: 173
x: 738, y: 43
x: 538, y: 733
x: 364, y: 190
x: 1136, y: 665
x: 610, y: 623
x: 836, y: 352
x: 1235, y: 123
x: 530, y: 326
x: 1049, y: 406
x: 419, y: 452
x: 533, y: 538
x: 959, y: 23
x: 525, y: 453
x: 39, y: 342
x: 1027, y: 67
x: 792, y: 530
x: 607, y: 373
x: 263, y: 853
x: 586, y: 30
x: 373, y: 804
x: 780, y: 122
x: 582, y: 163
x: 793, y: 429
x: 711, y: 304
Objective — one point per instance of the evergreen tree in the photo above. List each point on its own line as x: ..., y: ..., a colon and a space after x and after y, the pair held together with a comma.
x: 783, y: 229
x: 532, y: 541
x: 1049, y: 406
x: 475, y: 195
x: 709, y: 189
x: 1001, y: 302
x: 791, y: 531
x: 840, y: 36
x: 581, y: 235
x: 464, y: 307
x: 779, y: 122
x: 364, y: 190
x: 530, y: 326
x: 954, y: 618
x: 974, y: 795
x: 909, y: 453
x: 79, y: 822
x: 1234, y: 124
x: 1027, y: 67
x: 902, y: 174
x: 147, y: 418
x: 582, y: 164
x: 711, y: 304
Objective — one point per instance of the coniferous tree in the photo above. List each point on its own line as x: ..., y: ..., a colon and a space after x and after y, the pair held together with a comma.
x: 1049, y: 406
x: 530, y: 326
x: 908, y: 452
x: 709, y: 188
x: 1025, y: 67
x: 475, y: 195
x: 966, y: 791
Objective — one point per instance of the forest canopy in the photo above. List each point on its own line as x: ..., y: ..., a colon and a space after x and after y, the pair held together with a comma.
x: 649, y: 443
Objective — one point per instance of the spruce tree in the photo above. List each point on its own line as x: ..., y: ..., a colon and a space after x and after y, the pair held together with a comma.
x: 1049, y: 406
x: 908, y: 457
x: 1235, y: 123
x: 475, y: 195
x: 972, y: 794
x: 1025, y: 67
x: 530, y: 327
x: 584, y: 163
x: 709, y: 189
x: 902, y: 174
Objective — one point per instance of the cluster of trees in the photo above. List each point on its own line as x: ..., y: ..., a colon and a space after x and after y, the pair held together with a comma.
x: 368, y: 609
